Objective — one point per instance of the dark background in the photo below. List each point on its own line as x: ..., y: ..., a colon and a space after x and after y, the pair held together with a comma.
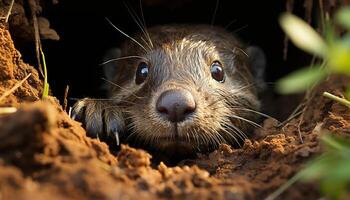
x: 86, y: 35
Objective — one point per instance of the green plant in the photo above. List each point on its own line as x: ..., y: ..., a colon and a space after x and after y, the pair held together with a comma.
x: 333, y: 50
x: 332, y: 168
x: 46, y: 84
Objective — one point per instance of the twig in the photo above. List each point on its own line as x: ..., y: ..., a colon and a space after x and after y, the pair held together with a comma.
x: 337, y: 99
x: 65, y: 101
x: 33, y: 8
x: 289, y: 8
x: 296, y: 112
x: 7, y: 110
x: 14, y: 88
x: 9, y: 12
x: 299, y: 124
x: 309, y: 95
x: 323, y: 24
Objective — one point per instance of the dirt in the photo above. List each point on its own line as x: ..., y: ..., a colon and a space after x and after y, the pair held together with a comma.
x: 46, y: 155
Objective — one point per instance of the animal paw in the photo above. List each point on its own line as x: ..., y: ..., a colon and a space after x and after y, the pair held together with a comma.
x: 101, y: 119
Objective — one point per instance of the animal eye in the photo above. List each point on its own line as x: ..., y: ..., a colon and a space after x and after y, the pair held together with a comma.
x: 141, y: 73
x: 217, y: 72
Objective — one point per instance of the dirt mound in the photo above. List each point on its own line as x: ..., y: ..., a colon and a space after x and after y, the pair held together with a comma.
x: 46, y: 155
x: 12, y: 70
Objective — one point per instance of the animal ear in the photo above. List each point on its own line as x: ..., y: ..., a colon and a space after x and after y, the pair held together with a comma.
x: 110, y: 66
x: 257, y: 61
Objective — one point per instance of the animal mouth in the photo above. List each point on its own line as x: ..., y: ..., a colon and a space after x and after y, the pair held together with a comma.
x: 174, y: 136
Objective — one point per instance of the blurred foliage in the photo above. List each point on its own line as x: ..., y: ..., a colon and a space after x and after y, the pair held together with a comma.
x: 332, y: 169
x: 333, y: 49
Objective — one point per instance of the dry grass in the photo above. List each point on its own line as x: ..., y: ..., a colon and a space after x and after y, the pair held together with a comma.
x: 14, y: 88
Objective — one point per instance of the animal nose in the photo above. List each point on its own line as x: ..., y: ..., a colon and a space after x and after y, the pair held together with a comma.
x: 176, y: 105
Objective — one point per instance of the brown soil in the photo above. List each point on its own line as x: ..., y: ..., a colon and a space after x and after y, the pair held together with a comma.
x: 46, y: 155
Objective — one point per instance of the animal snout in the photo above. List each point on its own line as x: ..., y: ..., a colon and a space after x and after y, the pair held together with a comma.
x: 176, y: 105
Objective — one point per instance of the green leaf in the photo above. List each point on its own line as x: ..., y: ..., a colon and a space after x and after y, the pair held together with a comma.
x: 46, y: 90
x: 330, y: 34
x: 46, y: 84
x: 336, y: 178
x: 347, y: 92
x: 339, y: 56
x: 317, y: 168
x: 343, y: 17
x: 340, y: 170
x: 335, y: 143
x: 333, y: 189
x: 301, y: 80
x: 332, y: 168
x: 303, y: 35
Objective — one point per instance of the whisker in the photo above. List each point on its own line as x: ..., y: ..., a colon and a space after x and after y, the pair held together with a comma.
x: 244, y: 136
x: 230, y: 23
x: 256, y: 112
x: 143, y: 39
x: 91, y: 99
x: 232, y: 94
x: 220, y: 138
x: 138, y: 21
x: 199, y: 140
x: 233, y: 137
x: 215, y: 136
x: 126, y: 35
x: 114, y: 84
x: 122, y: 58
x: 239, y: 29
x: 111, y: 106
x: 207, y: 138
x: 215, y: 12
x: 124, y: 106
x: 246, y: 120
x: 241, y: 50
x: 145, y: 26
x: 227, y: 95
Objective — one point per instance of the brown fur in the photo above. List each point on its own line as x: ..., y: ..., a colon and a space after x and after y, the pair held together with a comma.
x: 179, y: 57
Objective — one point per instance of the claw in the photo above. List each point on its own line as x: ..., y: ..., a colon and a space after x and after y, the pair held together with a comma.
x: 98, y: 122
x: 97, y: 137
x: 70, y: 113
x: 76, y: 110
x: 116, y: 135
x: 73, y: 116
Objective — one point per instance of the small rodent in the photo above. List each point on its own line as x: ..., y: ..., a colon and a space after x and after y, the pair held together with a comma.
x: 177, y: 89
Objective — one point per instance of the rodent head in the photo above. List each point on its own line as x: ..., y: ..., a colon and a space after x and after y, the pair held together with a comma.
x: 189, y: 91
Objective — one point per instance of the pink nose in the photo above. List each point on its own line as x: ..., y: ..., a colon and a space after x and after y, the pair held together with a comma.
x: 176, y: 105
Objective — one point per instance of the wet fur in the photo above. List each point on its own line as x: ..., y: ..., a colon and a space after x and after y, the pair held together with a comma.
x: 179, y: 57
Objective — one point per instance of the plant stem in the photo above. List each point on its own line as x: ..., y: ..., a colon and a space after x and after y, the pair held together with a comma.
x: 338, y: 99
x: 46, y: 85
x: 9, y: 12
x: 34, y: 8
x: 14, y: 88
